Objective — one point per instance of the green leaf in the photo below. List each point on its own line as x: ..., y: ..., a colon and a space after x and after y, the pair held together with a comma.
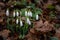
x: 57, y: 25
x: 37, y: 1
x: 23, y: 12
x: 51, y: 7
x: 16, y: 3
x: 52, y: 14
x: 25, y: 28
x: 53, y: 38
x: 31, y: 5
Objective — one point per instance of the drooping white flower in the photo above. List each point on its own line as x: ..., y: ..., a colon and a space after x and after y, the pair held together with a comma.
x: 28, y: 21
x: 14, y: 14
x: 7, y: 12
x: 37, y: 17
x: 26, y: 13
x: 17, y: 21
x: 21, y: 23
x: 17, y: 14
x: 30, y: 13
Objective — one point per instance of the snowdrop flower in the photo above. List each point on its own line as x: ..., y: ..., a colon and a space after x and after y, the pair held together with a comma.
x: 14, y: 14
x: 28, y: 21
x: 21, y: 23
x: 7, y: 12
x: 17, y: 21
x: 17, y: 14
x: 37, y: 17
x: 30, y: 13
x: 26, y: 13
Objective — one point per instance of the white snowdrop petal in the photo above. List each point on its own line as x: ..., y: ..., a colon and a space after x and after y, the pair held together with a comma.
x: 14, y: 14
x: 28, y: 21
x: 21, y: 23
x: 7, y: 12
x: 37, y: 17
x: 17, y: 21
x: 30, y: 13
x: 17, y: 14
x: 26, y: 13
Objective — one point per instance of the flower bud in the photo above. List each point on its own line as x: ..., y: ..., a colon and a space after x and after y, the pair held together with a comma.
x: 17, y: 21
x: 30, y: 13
x: 17, y: 14
x: 37, y: 17
x: 26, y: 14
x: 7, y: 12
x: 14, y: 14
x: 21, y: 23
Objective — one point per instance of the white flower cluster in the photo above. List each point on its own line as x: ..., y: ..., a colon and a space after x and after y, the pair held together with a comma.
x: 27, y: 13
x: 15, y: 14
x: 17, y: 21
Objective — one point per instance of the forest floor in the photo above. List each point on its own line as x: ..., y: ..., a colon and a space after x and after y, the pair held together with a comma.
x: 5, y: 34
